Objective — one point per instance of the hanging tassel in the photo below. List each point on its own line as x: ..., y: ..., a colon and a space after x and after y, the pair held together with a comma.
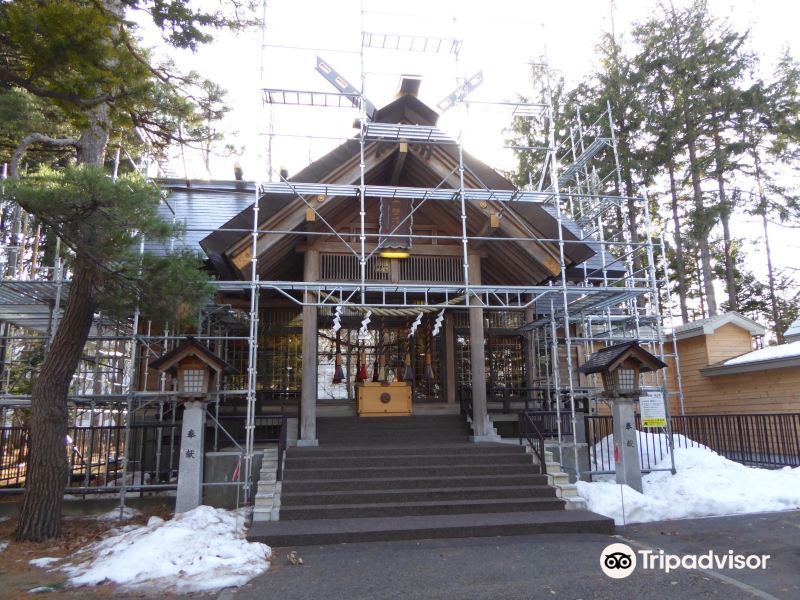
x: 428, y: 358
x: 382, y: 374
x: 409, y: 375
x: 338, y: 371
x: 362, y: 367
x: 376, y: 376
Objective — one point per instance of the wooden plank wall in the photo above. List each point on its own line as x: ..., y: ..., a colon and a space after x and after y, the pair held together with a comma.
x: 774, y: 390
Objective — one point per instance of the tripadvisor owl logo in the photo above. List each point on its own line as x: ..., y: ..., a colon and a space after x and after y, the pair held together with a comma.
x: 618, y: 561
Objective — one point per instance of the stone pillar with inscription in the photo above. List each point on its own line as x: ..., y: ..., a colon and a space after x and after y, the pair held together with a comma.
x: 190, y: 472
x: 626, y: 444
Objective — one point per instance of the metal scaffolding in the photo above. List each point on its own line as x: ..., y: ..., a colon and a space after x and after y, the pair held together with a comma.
x: 620, y: 295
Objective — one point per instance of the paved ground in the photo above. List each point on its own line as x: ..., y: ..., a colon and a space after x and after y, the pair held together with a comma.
x: 544, y: 566
x: 776, y: 534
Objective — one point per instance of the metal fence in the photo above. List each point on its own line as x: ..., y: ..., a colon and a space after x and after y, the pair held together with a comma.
x: 547, y: 422
x: 760, y: 440
x: 267, y: 429
x: 96, y: 456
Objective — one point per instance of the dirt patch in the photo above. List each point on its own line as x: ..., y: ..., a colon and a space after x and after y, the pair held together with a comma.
x: 18, y: 577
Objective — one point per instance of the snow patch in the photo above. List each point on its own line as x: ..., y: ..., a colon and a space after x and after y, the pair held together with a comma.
x: 653, y: 448
x: 114, y: 515
x: 706, y: 484
x: 43, y: 562
x: 201, y: 550
x: 769, y: 353
x: 3, y: 545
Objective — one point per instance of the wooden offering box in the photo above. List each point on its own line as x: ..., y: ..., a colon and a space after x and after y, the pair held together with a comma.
x: 384, y: 399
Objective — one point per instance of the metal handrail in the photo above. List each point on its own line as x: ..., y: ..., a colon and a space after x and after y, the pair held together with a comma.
x: 274, y: 421
x: 534, y: 437
x: 546, y: 421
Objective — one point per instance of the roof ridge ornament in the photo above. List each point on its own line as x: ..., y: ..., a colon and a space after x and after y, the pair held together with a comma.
x: 461, y: 92
x: 345, y: 87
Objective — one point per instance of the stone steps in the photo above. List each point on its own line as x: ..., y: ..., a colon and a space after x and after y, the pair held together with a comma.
x: 414, y: 478
x: 406, y: 508
x: 382, y: 496
x: 283, y: 534
x: 395, y: 460
x: 413, y: 483
x: 431, y: 468
x: 422, y: 450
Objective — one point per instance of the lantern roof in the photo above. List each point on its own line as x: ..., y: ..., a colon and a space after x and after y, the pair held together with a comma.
x: 611, y: 357
x: 191, y: 347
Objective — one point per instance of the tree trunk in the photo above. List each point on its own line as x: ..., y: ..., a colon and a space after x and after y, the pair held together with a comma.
x: 698, y: 269
x: 730, y: 263
x: 94, y: 138
x: 773, y: 298
x: 680, y: 264
x: 702, y: 237
x: 725, y: 210
x: 763, y: 207
x: 46, y: 478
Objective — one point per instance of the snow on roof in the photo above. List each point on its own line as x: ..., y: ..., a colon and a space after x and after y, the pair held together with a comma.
x: 711, y: 324
x: 769, y: 353
x: 793, y: 332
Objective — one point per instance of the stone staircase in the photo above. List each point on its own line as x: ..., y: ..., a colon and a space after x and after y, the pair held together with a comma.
x: 412, y: 478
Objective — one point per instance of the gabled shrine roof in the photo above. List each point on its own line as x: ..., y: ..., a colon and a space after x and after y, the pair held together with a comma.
x: 336, y: 167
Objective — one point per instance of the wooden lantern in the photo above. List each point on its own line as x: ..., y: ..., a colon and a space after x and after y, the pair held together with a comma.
x: 196, y: 369
x: 620, y: 366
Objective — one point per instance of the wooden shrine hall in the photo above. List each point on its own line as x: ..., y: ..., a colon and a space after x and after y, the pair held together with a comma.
x: 370, y: 350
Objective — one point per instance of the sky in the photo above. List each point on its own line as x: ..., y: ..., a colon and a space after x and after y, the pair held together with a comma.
x: 498, y: 38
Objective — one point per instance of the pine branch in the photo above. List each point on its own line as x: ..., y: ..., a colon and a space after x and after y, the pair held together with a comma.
x: 7, y: 76
x: 36, y: 138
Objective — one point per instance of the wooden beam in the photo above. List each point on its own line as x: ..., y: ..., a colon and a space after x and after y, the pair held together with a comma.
x: 418, y: 249
x: 399, y: 161
x: 290, y: 218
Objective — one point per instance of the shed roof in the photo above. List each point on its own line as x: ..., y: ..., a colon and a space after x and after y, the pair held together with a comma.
x: 793, y: 332
x: 709, y: 325
x: 201, y: 207
x: 772, y: 357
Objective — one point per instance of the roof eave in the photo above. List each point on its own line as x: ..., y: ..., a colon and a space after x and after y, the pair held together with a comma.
x: 750, y: 367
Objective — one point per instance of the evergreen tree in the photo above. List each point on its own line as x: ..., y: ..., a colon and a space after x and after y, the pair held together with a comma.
x: 83, y: 57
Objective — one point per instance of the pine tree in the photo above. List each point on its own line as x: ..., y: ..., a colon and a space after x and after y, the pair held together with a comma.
x: 82, y: 56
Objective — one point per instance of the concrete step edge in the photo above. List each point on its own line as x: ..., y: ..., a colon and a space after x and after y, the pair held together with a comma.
x: 426, y: 504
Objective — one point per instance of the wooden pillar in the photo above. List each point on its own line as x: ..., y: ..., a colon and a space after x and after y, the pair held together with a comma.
x: 449, y: 359
x: 530, y: 351
x: 482, y: 430
x: 308, y: 393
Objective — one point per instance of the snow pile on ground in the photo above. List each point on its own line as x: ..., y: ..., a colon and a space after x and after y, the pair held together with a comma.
x: 198, y: 551
x: 653, y: 447
x: 3, y: 545
x: 114, y: 515
x: 768, y: 353
x: 706, y: 484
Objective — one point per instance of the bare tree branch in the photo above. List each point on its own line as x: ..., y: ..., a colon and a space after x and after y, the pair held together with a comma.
x: 35, y: 138
x: 8, y: 76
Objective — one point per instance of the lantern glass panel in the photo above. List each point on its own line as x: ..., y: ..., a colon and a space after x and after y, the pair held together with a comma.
x: 194, y: 381
x: 627, y: 380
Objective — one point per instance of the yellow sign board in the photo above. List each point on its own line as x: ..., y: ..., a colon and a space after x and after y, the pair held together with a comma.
x: 652, y: 410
